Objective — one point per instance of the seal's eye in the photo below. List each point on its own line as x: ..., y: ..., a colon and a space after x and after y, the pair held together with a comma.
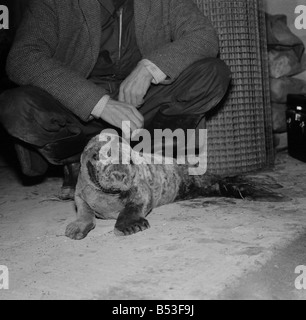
x: 92, y: 174
x: 95, y: 156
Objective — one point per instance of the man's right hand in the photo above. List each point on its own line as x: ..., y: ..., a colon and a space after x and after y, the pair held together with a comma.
x: 115, y: 112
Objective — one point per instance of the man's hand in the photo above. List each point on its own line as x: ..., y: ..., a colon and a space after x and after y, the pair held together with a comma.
x: 116, y: 112
x: 135, y: 86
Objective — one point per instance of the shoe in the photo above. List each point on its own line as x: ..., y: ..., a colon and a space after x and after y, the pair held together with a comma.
x: 71, y: 173
x: 31, y: 162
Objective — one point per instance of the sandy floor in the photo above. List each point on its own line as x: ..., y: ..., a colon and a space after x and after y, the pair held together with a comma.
x: 200, y: 249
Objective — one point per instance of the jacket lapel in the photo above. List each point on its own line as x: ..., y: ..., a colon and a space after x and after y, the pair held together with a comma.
x: 91, y: 11
x: 142, y: 9
x: 92, y: 15
x: 108, y: 5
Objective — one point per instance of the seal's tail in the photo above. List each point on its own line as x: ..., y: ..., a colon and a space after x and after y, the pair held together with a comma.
x: 255, y: 188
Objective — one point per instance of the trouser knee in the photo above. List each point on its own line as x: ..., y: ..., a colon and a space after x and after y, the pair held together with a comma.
x: 211, y: 77
x: 34, y: 116
x: 14, y: 106
x: 201, y: 87
x: 21, y: 111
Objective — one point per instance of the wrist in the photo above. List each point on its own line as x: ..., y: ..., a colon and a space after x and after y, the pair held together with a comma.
x: 100, y: 106
x: 147, y: 72
x: 158, y: 76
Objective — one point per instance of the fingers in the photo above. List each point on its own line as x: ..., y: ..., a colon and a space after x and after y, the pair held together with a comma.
x: 131, y: 119
x: 135, y: 118
x: 129, y: 127
x: 132, y: 95
x: 135, y: 123
x: 139, y: 117
x: 123, y: 115
x: 121, y: 97
x: 135, y: 86
x: 136, y: 96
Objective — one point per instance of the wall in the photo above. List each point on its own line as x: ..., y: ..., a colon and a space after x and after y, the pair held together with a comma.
x: 287, y: 7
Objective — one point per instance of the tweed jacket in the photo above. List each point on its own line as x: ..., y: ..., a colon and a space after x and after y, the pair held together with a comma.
x: 58, y: 43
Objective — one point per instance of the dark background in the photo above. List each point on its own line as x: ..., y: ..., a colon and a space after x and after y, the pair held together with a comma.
x: 16, y: 9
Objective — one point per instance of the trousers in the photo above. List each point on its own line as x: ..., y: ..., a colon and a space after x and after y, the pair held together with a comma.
x: 44, y: 126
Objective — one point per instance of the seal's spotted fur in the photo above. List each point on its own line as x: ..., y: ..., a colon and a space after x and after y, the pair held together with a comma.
x: 129, y: 192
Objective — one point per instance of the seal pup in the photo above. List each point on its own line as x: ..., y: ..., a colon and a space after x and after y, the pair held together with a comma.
x: 109, y: 188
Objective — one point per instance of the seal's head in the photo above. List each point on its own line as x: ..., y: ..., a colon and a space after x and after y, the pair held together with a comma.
x: 108, y: 161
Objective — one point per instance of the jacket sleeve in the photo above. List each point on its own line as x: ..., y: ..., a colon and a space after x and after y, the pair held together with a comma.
x: 31, y: 62
x: 193, y: 38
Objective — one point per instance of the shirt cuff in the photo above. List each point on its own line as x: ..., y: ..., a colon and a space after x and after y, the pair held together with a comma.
x: 100, y: 106
x: 158, y: 75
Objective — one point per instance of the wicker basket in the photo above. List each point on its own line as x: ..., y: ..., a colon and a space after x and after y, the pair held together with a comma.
x: 240, y: 134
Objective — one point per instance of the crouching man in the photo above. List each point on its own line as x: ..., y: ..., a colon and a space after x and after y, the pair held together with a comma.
x: 83, y: 66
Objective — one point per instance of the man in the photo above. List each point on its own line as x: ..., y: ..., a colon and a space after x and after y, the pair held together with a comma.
x: 85, y: 65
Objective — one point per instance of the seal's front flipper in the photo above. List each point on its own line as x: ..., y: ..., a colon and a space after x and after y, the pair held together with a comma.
x: 131, y: 220
x: 244, y: 188
x: 85, y: 222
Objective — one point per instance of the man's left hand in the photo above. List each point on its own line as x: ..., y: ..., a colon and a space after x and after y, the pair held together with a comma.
x: 135, y: 86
